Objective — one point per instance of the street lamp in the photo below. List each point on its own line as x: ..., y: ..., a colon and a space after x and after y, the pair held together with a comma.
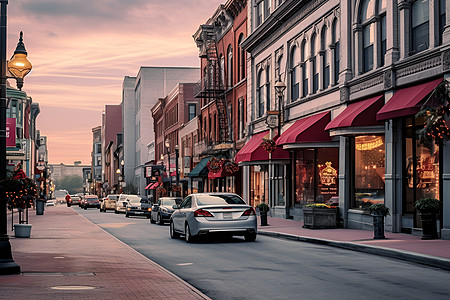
x: 19, y: 66
x: 167, y: 143
x: 7, y: 263
x: 177, y: 151
x: 280, y: 86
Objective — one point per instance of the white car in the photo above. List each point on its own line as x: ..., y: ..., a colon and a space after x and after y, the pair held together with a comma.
x: 213, y: 213
x: 50, y: 203
x: 121, y: 204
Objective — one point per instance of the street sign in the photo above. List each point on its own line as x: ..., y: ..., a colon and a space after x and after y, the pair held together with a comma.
x: 272, y: 118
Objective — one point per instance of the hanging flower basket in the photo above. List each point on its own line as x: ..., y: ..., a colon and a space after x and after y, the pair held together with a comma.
x: 161, y: 191
x: 231, y: 167
x: 215, y: 165
x: 19, y: 189
x: 269, y: 145
x: 435, y: 110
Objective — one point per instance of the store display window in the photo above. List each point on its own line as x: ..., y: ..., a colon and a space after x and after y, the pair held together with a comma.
x: 316, y: 175
x: 421, y: 167
x: 259, y: 187
x: 369, y: 170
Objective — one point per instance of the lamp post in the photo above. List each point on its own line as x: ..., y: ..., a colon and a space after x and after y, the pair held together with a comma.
x: 280, y: 86
x: 7, y: 264
x: 167, y: 143
x: 177, y: 178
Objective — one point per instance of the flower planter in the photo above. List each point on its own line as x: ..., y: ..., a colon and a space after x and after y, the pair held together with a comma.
x: 263, y: 216
x: 316, y: 217
x: 429, y: 228
x: 22, y: 230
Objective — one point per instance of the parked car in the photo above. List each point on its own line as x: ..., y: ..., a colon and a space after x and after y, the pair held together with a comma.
x: 91, y: 201
x: 163, y: 209
x: 50, y: 203
x: 213, y: 213
x: 74, y: 199
x: 137, y: 207
x: 121, y: 204
x: 109, y: 203
x: 60, y: 196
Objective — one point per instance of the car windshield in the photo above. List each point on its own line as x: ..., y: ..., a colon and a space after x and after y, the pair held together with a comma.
x: 170, y: 202
x: 218, y: 199
x: 92, y: 199
x: 144, y: 201
x: 134, y: 199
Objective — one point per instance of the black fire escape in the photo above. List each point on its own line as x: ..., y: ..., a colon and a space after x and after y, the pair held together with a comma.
x: 211, y: 87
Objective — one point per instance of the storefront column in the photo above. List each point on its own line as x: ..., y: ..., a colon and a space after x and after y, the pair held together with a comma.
x: 393, y: 174
x: 445, y: 232
x: 246, y: 184
x: 344, y: 178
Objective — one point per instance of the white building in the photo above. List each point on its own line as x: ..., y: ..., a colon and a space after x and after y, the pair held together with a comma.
x: 139, y: 95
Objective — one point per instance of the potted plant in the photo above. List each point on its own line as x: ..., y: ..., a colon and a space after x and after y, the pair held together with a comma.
x: 378, y: 211
x: 428, y: 207
x: 263, y: 210
x: 319, y: 215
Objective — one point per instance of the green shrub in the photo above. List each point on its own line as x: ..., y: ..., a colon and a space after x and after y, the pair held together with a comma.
x: 427, y: 205
x: 379, y: 208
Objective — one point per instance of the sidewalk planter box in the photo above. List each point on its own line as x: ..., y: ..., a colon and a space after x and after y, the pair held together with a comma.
x: 317, y: 217
x: 22, y: 230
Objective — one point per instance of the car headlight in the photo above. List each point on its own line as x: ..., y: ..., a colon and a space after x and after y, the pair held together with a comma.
x: 164, y: 210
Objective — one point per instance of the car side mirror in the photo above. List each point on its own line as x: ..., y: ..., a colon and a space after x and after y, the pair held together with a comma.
x: 176, y: 206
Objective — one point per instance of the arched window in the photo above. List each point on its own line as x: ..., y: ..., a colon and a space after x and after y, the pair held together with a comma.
x: 222, y: 70
x: 315, y: 69
x: 420, y: 25
x: 241, y: 59
x: 294, y: 82
x: 230, y: 66
x: 326, y: 60
x: 305, y: 68
x: 372, y: 18
x: 335, y: 42
x: 261, y: 93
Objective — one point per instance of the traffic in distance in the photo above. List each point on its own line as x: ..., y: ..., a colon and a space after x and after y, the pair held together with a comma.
x: 197, y: 216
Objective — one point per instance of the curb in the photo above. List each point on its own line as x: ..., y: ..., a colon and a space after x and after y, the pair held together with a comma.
x: 188, y: 285
x: 423, y: 259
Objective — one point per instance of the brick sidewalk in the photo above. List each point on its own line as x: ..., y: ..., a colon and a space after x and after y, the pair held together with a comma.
x: 68, y: 257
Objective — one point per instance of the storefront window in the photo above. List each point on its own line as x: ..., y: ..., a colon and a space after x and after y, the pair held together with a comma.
x: 259, y: 188
x: 421, y: 167
x: 316, y: 175
x: 278, y: 185
x: 369, y: 160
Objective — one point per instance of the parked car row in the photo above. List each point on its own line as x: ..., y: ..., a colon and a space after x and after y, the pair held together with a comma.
x: 198, y: 215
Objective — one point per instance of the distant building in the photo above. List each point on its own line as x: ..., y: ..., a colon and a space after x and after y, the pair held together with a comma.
x: 96, y: 162
x: 138, y: 97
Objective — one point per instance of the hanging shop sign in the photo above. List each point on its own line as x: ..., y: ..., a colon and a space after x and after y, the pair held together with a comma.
x: 328, y: 179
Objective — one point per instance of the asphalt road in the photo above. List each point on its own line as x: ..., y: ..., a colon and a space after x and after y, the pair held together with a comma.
x: 272, y: 268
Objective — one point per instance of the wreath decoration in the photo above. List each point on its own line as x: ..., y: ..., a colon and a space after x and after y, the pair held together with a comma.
x: 19, y: 189
x: 435, y: 129
x: 269, y: 145
x: 231, y: 167
x: 176, y: 188
x: 215, y: 165
x: 161, y: 191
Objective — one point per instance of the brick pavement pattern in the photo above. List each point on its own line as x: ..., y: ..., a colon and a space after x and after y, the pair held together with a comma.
x: 68, y: 257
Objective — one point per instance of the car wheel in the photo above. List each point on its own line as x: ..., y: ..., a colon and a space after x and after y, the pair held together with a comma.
x: 158, y: 219
x: 68, y: 205
x: 251, y: 237
x: 151, y: 220
x: 127, y: 215
x: 187, y: 235
x: 116, y: 212
x: 173, y: 233
x: 85, y: 208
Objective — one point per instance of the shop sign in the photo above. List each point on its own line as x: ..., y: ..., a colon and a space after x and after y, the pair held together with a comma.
x: 272, y: 119
x: 10, y: 132
x: 328, y: 178
x: 187, y: 164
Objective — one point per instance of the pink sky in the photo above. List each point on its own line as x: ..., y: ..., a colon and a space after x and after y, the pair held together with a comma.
x: 82, y: 49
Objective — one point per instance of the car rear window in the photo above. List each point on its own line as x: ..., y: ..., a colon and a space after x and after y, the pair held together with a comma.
x: 218, y: 199
x: 170, y: 202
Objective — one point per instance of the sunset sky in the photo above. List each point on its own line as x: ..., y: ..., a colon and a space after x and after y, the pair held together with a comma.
x: 82, y: 49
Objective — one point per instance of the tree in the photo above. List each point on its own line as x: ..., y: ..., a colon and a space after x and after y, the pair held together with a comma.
x: 72, y: 183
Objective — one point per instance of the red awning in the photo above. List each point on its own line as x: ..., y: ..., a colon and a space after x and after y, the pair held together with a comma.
x: 253, y: 151
x: 149, y: 185
x: 307, y: 130
x: 407, y: 101
x: 361, y: 113
x: 154, y: 186
x: 212, y: 175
